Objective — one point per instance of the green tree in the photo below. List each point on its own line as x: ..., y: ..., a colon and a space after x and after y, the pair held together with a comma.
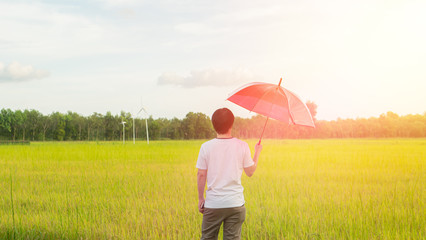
x: 33, y: 121
x: 175, y: 129
x: 153, y: 129
x: 95, y: 123
x: 24, y: 124
x: 17, y: 123
x: 197, y: 126
x: 58, y: 126
x: 6, y: 118
x: 110, y: 126
x: 46, y: 121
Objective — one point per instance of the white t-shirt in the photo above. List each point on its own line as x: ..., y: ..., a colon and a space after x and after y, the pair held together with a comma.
x: 225, y: 160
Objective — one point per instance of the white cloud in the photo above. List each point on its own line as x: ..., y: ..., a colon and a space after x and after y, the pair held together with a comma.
x: 209, y: 77
x: 19, y: 72
x: 58, y: 32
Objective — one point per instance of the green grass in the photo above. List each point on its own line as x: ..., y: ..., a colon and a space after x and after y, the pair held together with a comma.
x: 302, y: 189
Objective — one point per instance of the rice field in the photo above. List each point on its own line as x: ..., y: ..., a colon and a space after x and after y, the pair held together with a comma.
x: 302, y: 189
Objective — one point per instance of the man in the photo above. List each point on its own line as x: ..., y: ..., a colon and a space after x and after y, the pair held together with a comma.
x: 221, y: 162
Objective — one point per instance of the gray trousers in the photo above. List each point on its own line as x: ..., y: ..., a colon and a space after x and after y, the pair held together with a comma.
x: 232, y: 219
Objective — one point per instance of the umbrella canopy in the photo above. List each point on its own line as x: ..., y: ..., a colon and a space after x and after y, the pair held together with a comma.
x: 273, y: 101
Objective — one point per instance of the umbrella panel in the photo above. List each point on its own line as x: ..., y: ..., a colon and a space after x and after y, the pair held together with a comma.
x: 265, y: 92
x: 266, y: 100
x: 299, y: 111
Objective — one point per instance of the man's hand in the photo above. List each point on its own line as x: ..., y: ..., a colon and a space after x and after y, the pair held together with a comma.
x: 201, y: 183
x: 201, y: 205
x: 257, y: 148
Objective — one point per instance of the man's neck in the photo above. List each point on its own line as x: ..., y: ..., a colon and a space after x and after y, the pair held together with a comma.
x: 226, y: 135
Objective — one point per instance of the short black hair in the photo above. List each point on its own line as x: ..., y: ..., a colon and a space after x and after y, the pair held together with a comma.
x: 222, y: 120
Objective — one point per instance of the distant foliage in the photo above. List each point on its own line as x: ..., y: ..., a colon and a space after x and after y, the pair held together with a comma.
x: 388, y: 125
x: 34, y: 126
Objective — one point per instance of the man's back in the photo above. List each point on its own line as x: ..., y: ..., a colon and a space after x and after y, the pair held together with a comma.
x: 224, y: 160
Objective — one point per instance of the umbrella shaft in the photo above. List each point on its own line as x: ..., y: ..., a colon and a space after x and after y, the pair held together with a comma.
x: 264, y: 126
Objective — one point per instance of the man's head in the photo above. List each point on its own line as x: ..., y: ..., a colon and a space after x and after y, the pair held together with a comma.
x: 222, y: 120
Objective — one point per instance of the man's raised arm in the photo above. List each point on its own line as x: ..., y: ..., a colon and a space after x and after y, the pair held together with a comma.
x: 250, y: 170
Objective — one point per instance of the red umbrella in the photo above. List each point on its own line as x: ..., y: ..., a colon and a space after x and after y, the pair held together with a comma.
x: 273, y: 101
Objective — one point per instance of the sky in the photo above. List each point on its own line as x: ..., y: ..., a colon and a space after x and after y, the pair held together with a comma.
x: 352, y: 58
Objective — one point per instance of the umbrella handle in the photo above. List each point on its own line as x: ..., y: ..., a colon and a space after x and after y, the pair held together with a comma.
x: 264, y: 126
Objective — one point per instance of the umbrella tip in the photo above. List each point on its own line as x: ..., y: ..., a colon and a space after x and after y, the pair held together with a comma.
x: 279, y: 84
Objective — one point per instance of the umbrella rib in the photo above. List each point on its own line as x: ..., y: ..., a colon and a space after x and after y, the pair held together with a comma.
x: 289, y: 111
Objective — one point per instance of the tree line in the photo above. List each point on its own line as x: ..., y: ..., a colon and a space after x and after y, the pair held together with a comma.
x: 31, y: 125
